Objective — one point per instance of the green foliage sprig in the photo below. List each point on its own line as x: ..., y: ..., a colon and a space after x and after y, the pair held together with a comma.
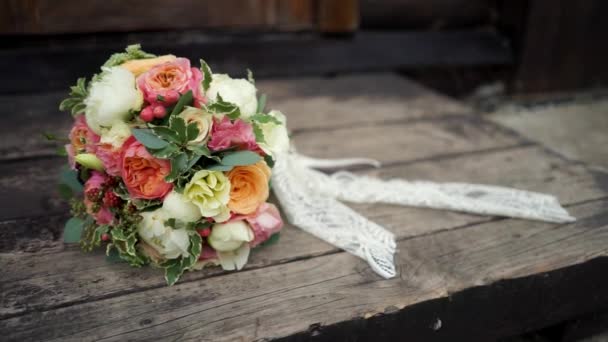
x: 78, y: 93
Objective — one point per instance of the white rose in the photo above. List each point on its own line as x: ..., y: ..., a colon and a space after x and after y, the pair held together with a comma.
x: 168, y: 242
x: 202, y: 119
x: 234, y: 260
x: 276, y: 138
x: 176, y: 205
x: 237, y: 91
x: 111, y: 98
x: 227, y: 237
x: 116, y: 135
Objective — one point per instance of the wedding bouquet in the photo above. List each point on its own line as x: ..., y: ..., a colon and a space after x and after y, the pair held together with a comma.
x: 175, y: 164
x: 171, y: 164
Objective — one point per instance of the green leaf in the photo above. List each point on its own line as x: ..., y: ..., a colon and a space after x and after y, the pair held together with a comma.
x: 184, y: 100
x: 166, y: 133
x: 73, y: 230
x: 222, y: 107
x: 269, y: 161
x: 241, y: 158
x: 261, y: 103
x: 258, y: 132
x: 148, y: 139
x: 75, y: 102
x: 207, y: 75
x: 92, y: 235
x: 166, y: 152
x: 250, y: 76
x: 179, y: 126
x: 193, y: 159
x: 192, y: 131
x: 131, y: 52
x: 174, y: 268
x: 160, y: 98
x: 199, y: 149
x: 265, y: 118
x: 178, y: 166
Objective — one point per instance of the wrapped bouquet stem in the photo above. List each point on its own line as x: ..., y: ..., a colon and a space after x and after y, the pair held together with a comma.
x: 172, y: 165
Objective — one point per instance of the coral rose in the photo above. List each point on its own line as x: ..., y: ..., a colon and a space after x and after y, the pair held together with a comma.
x: 82, y: 138
x: 170, y: 79
x: 225, y: 134
x: 248, y: 187
x: 143, y: 174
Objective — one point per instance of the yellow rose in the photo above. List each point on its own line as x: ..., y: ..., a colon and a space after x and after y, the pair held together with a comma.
x: 202, y: 119
x: 249, y: 187
x: 210, y: 192
x: 139, y: 66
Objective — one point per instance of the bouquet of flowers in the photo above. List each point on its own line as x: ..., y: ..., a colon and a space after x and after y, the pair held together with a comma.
x: 171, y: 164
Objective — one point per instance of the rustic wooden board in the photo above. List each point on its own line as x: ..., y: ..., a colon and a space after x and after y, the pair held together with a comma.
x: 305, y: 295
x: 309, y: 103
x: 45, y: 280
x: 55, y: 65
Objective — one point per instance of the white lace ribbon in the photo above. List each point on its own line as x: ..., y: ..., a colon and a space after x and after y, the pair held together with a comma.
x: 310, y: 200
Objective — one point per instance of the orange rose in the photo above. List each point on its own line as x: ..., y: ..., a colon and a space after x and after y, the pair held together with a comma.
x: 143, y: 174
x: 248, y: 187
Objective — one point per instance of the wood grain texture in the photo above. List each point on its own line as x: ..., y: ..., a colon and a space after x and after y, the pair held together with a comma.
x: 64, y: 16
x: 50, y: 284
x: 284, y: 299
x: 55, y: 65
x: 309, y: 103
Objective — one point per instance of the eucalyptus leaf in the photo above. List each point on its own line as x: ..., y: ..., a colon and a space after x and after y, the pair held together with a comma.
x: 148, y: 139
x: 241, y: 158
x: 220, y: 167
x: 73, y: 230
x: 69, y: 177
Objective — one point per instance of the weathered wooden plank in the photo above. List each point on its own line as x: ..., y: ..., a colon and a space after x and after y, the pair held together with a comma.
x: 49, y: 283
x: 299, y: 296
x: 113, y: 16
x: 61, y: 61
x: 309, y: 103
x: 33, y: 182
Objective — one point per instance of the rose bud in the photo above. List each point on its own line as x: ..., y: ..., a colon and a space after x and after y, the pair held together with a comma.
x: 90, y: 161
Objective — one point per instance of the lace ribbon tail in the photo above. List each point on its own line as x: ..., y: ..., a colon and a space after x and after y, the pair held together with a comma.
x: 469, y: 198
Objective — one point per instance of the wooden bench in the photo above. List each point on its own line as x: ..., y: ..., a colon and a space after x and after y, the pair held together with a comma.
x: 461, y: 277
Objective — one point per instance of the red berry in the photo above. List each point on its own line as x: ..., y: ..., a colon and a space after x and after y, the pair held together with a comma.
x: 111, y: 200
x: 171, y: 97
x: 92, y: 195
x: 147, y: 114
x: 204, y: 232
x: 159, y: 112
x: 105, y: 237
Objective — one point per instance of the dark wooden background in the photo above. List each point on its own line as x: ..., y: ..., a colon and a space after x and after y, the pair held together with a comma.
x: 533, y: 46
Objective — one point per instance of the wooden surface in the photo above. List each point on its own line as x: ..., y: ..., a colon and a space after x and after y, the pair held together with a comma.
x: 481, y: 277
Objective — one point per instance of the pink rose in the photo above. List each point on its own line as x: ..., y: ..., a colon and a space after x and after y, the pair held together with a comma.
x: 111, y: 158
x: 169, y: 80
x: 82, y: 138
x: 265, y: 222
x: 93, y: 188
x: 225, y: 134
x: 207, y: 253
x: 143, y: 174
